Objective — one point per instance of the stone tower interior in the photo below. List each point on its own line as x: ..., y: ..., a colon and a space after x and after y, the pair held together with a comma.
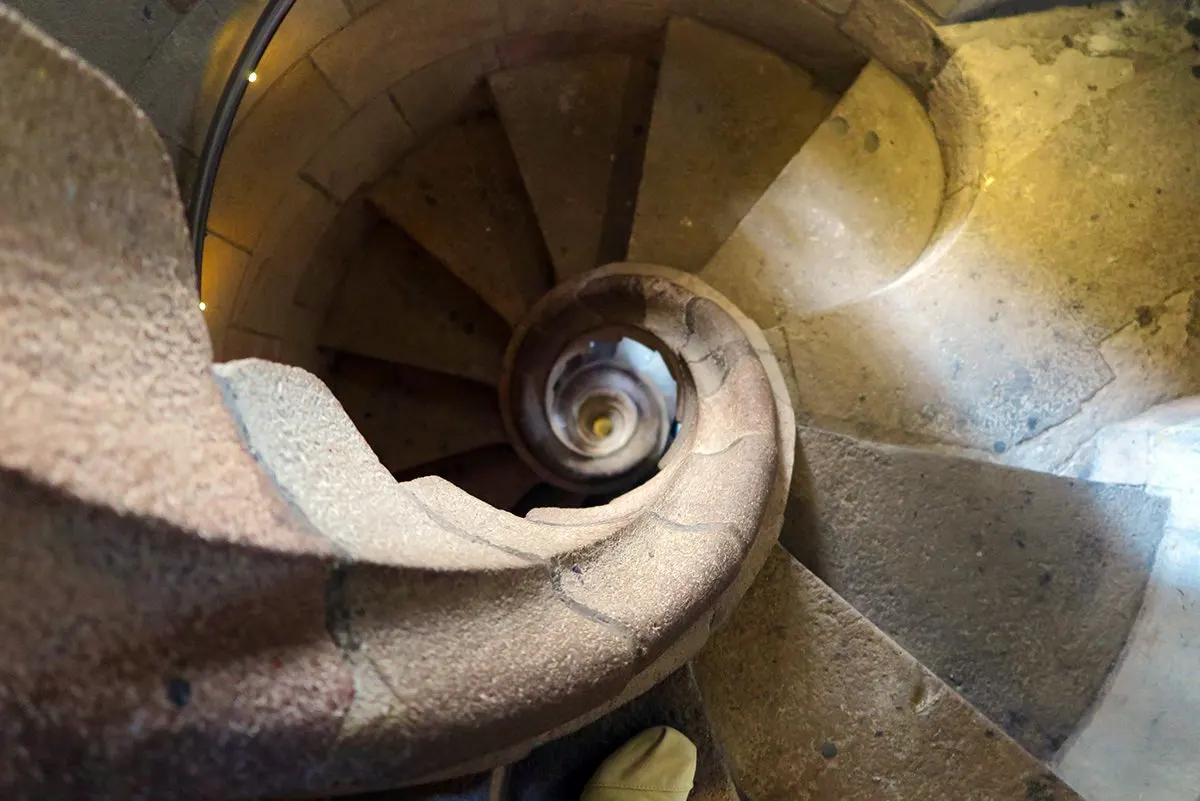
x: 414, y: 399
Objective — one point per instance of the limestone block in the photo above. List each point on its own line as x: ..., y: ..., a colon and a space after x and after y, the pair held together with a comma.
x: 849, y: 214
x: 809, y: 700
x: 275, y: 271
x: 361, y: 150
x: 305, y: 26
x: 332, y: 255
x: 728, y: 116
x: 447, y: 90
x: 398, y: 37
x: 261, y: 161
x: 224, y: 270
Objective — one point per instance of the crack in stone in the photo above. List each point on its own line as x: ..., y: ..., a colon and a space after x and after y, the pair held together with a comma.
x: 595, y: 616
x: 455, y: 530
x: 733, y: 444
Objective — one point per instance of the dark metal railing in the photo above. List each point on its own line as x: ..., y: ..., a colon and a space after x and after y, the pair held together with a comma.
x: 222, y: 120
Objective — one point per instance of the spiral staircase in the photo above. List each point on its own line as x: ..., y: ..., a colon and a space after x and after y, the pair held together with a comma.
x: 794, y: 375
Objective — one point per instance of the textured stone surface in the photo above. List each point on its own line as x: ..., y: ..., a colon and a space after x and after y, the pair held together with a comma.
x: 448, y: 329
x: 481, y: 592
x: 266, y: 302
x: 1143, y: 730
x: 333, y: 254
x: 728, y: 116
x: 812, y: 701
x: 898, y: 34
x: 270, y: 147
x: 448, y: 90
x: 410, y: 417
x: 559, y: 770
x: 564, y: 120
x: 303, y: 28
x: 847, y: 215
x: 117, y: 40
x: 1016, y: 588
x: 460, y: 196
x: 168, y: 84
x: 361, y: 150
x: 1154, y: 358
x: 398, y: 37
x: 224, y: 269
x: 158, y: 550
x: 798, y: 30
x: 571, y: 15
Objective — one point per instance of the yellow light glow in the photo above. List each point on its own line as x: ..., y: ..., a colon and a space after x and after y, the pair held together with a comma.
x: 252, y: 77
x: 203, y: 305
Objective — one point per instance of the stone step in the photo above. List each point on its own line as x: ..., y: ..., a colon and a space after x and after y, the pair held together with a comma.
x: 1019, y: 589
x: 494, y: 474
x: 412, y: 417
x: 810, y: 700
x: 461, y: 197
x: 397, y: 303
x: 848, y: 215
x: 566, y: 121
x: 728, y: 116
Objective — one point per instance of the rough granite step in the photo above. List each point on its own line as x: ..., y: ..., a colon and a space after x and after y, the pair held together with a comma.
x: 728, y: 116
x: 847, y: 216
x: 412, y: 417
x: 811, y: 701
x: 461, y: 197
x: 566, y: 123
x: 397, y: 303
x: 1019, y: 589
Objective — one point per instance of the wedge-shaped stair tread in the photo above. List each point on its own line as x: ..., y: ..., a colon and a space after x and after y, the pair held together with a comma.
x: 413, y: 417
x: 494, y: 474
x: 567, y: 123
x: 728, y: 116
x: 398, y: 304
x: 848, y: 215
x: 974, y: 350
x: 1018, y: 588
x: 460, y: 196
x: 810, y: 700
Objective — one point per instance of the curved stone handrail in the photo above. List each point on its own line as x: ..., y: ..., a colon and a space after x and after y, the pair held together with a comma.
x: 188, y: 617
